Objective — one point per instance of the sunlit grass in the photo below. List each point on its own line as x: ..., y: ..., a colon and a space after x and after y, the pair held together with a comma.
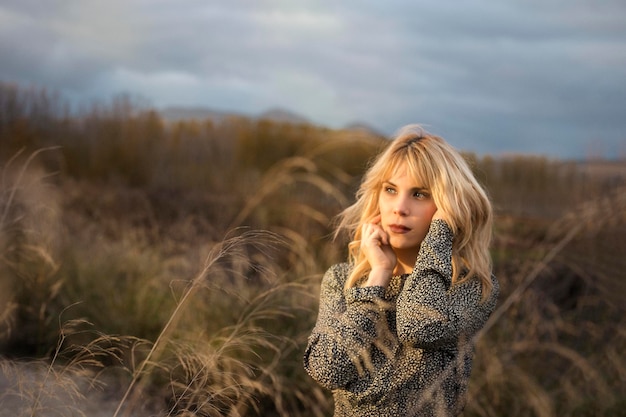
x: 183, y: 281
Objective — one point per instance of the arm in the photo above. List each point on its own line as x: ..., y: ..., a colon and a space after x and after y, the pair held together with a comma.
x: 430, y: 313
x: 341, y: 342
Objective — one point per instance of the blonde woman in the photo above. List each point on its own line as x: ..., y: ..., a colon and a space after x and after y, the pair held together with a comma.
x: 394, y: 331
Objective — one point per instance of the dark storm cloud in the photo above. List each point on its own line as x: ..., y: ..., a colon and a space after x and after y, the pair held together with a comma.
x: 64, y: 45
x: 521, y: 76
x: 507, y: 78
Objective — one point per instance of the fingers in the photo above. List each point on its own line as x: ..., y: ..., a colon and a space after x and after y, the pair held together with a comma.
x: 373, y: 232
x: 375, y: 245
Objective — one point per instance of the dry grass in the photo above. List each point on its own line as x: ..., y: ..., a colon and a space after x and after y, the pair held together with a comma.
x: 226, y: 340
x: 549, y: 348
x: 227, y: 333
x: 167, y: 298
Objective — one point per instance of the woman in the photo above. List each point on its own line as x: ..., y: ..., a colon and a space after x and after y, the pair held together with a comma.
x: 394, y: 331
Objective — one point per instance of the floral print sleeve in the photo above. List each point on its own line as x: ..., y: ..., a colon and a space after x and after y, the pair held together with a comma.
x: 345, y: 331
x: 430, y: 313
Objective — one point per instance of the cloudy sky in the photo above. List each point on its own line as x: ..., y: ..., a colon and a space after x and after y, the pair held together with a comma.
x: 491, y: 76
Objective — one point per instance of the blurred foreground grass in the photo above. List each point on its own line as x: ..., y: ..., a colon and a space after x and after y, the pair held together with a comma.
x: 173, y: 268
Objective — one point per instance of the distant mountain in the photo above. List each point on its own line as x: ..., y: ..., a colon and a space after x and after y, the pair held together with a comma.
x: 278, y: 115
x: 283, y: 116
x: 202, y: 113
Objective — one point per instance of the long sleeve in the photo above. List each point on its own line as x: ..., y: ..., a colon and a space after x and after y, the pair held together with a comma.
x: 430, y: 313
x: 401, y: 350
x: 348, y: 325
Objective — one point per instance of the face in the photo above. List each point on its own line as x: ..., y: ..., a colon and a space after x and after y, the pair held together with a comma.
x: 406, y: 209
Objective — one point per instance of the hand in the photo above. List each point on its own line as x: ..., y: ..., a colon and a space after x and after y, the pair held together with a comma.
x: 380, y: 255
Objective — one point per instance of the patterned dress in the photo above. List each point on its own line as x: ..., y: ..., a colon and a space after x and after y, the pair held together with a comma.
x: 404, y: 350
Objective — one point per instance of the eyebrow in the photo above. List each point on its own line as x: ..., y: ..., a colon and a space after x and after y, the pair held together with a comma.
x: 412, y: 188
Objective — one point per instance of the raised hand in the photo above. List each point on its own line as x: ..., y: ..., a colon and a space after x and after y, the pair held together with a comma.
x: 380, y: 255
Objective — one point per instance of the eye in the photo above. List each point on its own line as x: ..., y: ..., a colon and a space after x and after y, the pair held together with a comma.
x: 421, y: 194
x: 389, y: 188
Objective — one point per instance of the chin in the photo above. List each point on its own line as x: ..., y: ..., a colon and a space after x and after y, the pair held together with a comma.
x: 405, y: 245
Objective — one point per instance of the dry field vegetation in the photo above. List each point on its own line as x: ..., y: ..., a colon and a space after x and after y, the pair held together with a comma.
x: 172, y: 269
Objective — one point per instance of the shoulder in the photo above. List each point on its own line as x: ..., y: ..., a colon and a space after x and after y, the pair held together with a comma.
x: 494, y: 293
x: 484, y: 294
x: 337, y: 274
x: 474, y: 287
x: 495, y: 284
x: 333, y: 284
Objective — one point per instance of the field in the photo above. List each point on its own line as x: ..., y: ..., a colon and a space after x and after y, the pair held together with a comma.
x: 153, y: 268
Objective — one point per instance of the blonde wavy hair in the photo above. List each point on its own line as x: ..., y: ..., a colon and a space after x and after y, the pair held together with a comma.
x: 435, y: 164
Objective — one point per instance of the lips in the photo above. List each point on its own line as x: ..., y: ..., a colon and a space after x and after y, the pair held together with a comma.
x: 398, y: 228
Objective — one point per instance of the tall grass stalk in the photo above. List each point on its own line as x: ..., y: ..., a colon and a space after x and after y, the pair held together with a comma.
x: 534, y: 356
x: 517, y: 294
x: 16, y: 182
x: 243, y: 338
x: 282, y: 174
x: 216, y: 254
x: 55, y: 388
x: 27, y: 263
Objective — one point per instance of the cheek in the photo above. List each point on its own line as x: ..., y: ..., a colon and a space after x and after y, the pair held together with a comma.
x: 430, y: 209
x: 425, y: 210
x: 383, y: 205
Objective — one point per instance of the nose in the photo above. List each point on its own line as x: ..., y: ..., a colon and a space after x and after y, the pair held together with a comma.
x: 401, y: 207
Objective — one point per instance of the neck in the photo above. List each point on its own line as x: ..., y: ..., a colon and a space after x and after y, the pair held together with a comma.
x: 405, y: 261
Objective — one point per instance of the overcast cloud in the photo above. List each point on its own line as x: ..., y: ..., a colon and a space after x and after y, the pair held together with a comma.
x: 531, y: 76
